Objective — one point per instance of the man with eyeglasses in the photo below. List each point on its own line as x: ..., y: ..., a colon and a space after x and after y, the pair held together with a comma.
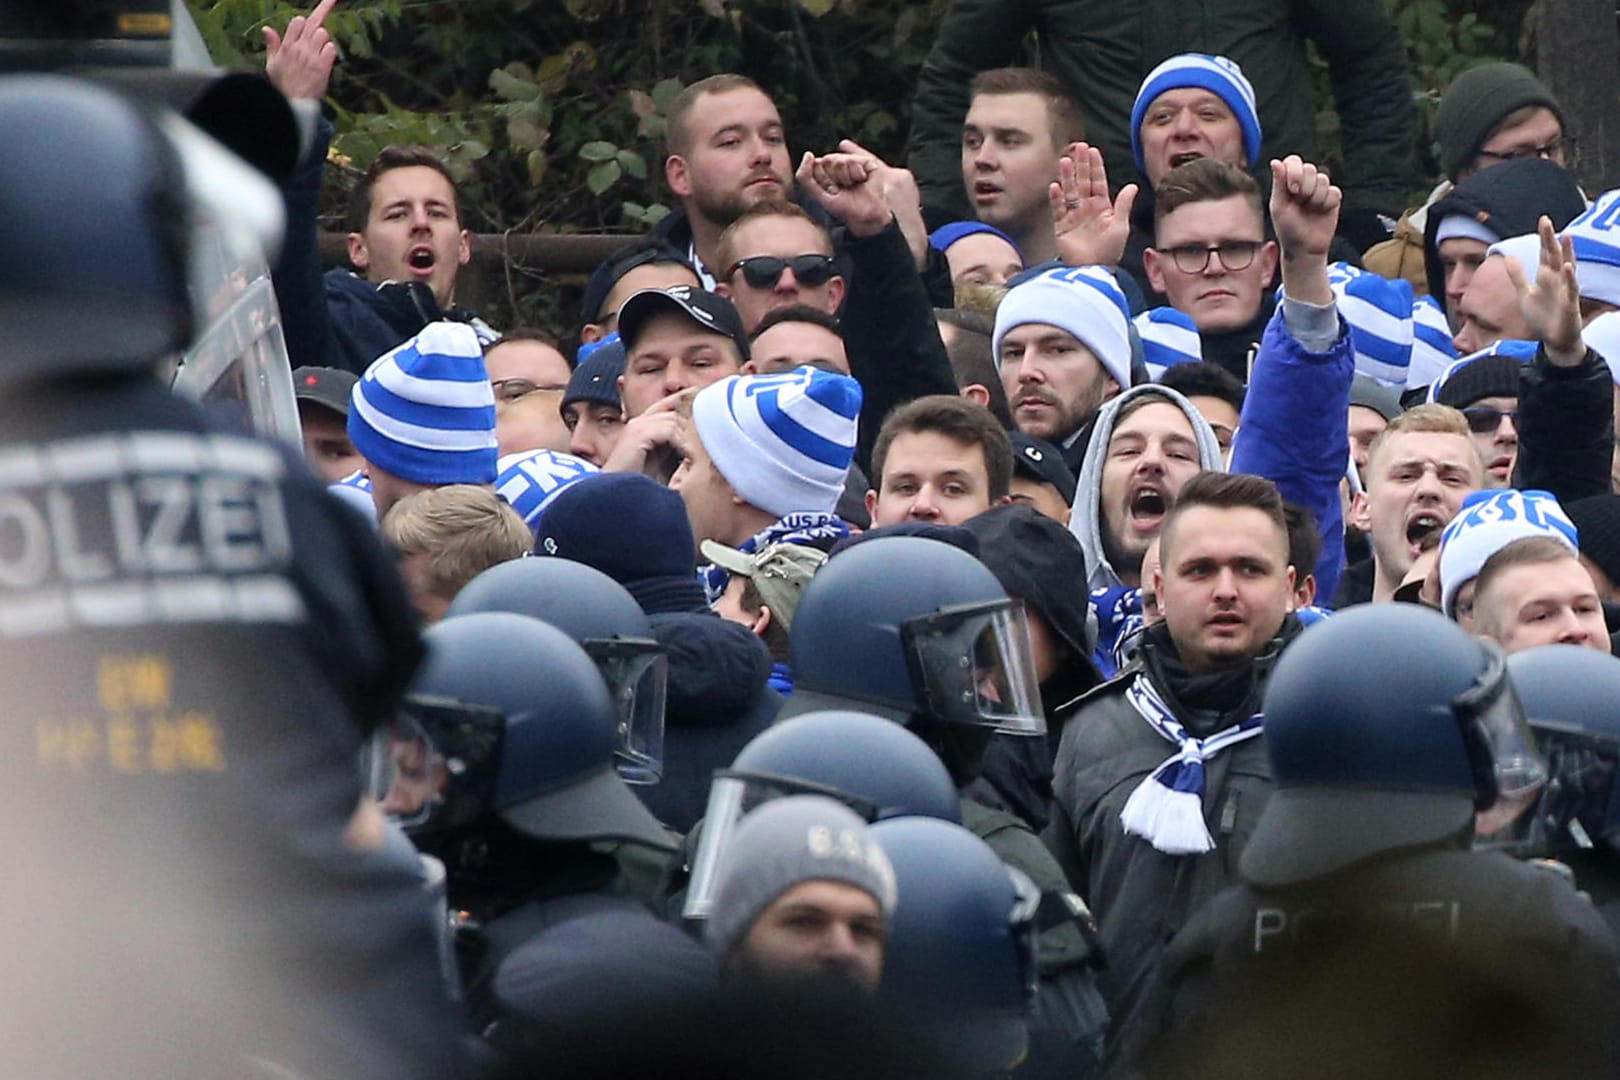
x: 528, y: 375
x: 1211, y: 257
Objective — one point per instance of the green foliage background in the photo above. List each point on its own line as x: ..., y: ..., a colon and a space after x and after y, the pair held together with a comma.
x: 550, y: 112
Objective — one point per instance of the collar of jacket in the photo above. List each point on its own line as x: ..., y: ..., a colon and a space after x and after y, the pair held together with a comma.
x: 1208, y: 701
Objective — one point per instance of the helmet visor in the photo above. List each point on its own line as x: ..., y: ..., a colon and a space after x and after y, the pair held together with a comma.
x: 636, y: 671
x: 433, y: 766
x: 732, y: 797
x: 973, y: 665
x: 1576, y: 810
x: 1493, y: 708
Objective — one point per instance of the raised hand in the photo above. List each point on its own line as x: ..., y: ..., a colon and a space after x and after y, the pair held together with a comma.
x: 299, y: 63
x: 849, y: 187
x: 650, y: 443
x: 1091, y: 229
x: 904, y: 199
x: 1551, y: 305
x: 1304, y: 213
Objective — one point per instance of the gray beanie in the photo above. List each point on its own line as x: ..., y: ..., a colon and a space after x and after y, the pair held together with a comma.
x: 1476, y: 101
x: 785, y: 843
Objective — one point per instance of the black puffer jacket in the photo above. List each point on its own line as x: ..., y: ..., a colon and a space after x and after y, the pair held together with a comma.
x: 717, y: 701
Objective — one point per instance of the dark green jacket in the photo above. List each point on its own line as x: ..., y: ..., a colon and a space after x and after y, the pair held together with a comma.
x: 1102, y: 49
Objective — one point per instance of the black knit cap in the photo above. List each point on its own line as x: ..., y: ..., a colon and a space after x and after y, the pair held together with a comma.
x: 1487, y: 376
x: 1597, y: 517
x: 1476, y: 101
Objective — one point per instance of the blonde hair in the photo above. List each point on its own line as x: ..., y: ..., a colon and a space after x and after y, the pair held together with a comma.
x: 1429, y: 419
x: 460, y: 530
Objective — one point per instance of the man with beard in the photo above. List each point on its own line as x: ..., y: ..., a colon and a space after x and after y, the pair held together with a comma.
x: 1063, y: 348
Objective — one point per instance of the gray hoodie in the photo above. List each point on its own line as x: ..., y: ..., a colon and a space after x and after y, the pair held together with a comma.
x: 1086, y: 520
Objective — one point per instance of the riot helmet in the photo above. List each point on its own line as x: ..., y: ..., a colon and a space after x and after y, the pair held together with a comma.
x: 1388, y: 727
x: 1571, y: 696
x: 112, y: 199
x: 599, y: 614
x: 507, y: 719
x: 961, y: 956
x: 914, y: 627
x: 872, y: 765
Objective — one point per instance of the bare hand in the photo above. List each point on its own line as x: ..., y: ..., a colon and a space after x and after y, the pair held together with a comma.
x: 848, y: 188
x: 300, y: 63
x: 905, y: 200
x: 1091, y: 230
x: 1304, y: 213
x: 1551, y: 306
x: 650, y: 441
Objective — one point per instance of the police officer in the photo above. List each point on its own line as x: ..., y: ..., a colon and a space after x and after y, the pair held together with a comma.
x: 501, y: 764
x: 1367, y: 938
x: 1570, y: 695
x: 920, y: 632
x: 195, y: 641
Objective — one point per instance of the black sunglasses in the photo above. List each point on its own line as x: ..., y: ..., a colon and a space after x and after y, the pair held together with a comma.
x: 764, y: 271
x: 1482, y: 419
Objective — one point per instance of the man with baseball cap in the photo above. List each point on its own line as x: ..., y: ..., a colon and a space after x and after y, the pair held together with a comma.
x: 322, y: 394
x: 1040, y: 479
x: 763, y: 594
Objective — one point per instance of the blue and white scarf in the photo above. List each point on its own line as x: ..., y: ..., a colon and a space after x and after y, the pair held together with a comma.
x: 1119, y: 620
x: 1167, y: 808
x: 808, y: 527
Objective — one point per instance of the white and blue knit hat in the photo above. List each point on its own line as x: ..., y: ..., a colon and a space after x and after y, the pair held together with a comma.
x: 1084, y: 301
x: 1169, y: 337
x: 425, y: 411
x: 783, y: 442
x: 1379, y: 313
x: 1432, y: 350
x: 530, y: 479
x: 1597, y: 249
x: 1218, y: 75
x: 1488, y: 522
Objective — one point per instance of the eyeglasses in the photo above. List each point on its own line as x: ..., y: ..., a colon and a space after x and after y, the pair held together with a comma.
x: 1235, y: 255
x: 1482, y: 419
x: 1551, y: 151
x: 512, y: 389
x: 764, y: 271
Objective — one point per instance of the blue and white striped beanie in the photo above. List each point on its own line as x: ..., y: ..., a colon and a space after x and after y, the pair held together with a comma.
x: 1488, y: 522
x: 530, y: 479
x: 783, y: 442
x: 425, y: 411
x: 1218, y: 75
x: 1597, y: 249
x: 1169, y: 337
x: 1432, y: 350
x: 1514, y: 349
x: 354, y: 491
x: 1378, y: 311
x: 1084, y: 301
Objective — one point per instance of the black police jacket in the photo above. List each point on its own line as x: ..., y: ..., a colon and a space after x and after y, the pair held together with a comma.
x: 1427, y: 961
x: 197, y: 640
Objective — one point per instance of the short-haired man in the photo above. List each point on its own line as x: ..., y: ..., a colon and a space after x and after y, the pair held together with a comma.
x: 445, y: 537
x: 795, y: 337
x: 1215, y: 392
x: 647, y: 263
x: 528, y: 374
x: 1062, y: 343
x: 940, y: 459
x: 764, y: 457
x: 1419, y: 470
x: 1536, y: 592
x: 967, y: 336
x: 727, y: 152
x: 776, y: 255
x: 1211, y: 259
x: 1019, y: 123
x: 763, y: 593
x: 423, y: 416
x: 1160, y: 774
x: 802, y: 902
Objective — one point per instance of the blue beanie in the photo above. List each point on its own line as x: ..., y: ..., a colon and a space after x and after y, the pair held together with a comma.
x: 943, y: 237
x: 596, y: 379
x: 425, y: 411
x: 1218, y: 75
x: 634, y: 530
x: 530, y: 479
